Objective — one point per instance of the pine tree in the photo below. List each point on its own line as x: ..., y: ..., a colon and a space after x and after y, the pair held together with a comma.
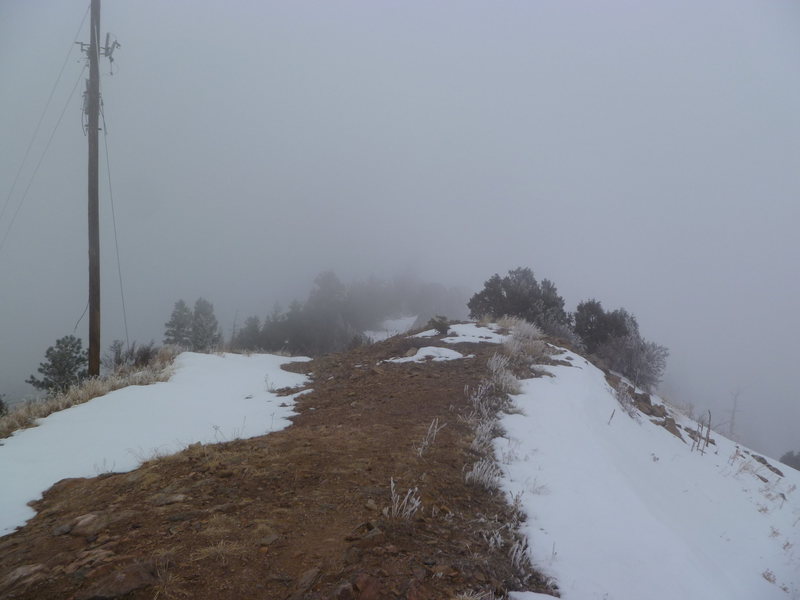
x: 205, y: 329
x: 64, y: 366
x: 178, y: 330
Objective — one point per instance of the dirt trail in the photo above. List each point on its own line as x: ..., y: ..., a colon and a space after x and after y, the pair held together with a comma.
x: 297, y: 514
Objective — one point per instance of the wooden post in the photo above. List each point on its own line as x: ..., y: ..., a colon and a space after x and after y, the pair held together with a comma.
x: 93, y: 125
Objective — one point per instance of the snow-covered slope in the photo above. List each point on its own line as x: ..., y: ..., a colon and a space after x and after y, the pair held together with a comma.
x: 210, y: 398
x: 625, y: 510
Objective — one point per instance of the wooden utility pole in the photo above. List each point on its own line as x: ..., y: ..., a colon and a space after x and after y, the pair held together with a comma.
x: 93, y: 126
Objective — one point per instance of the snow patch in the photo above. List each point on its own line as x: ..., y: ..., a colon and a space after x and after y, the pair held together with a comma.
x: 431, y: 352
x: 616, y: 507
x: 209, y: 399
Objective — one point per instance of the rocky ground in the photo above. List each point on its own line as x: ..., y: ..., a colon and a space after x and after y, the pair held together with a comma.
x: 304, y: 513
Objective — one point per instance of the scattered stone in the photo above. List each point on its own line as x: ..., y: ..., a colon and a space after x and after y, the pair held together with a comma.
x: 166, y: 499
x: 344, y: 592
x: 88, y: 558
x: 764, y: 462
x: 62, y: 529
x: 122, y: 582
x: 416, y: 592
x: 371, y: 504
x: 23, y: 576
x: 305, y: 582
x: 183, y: 516
x: 368, y: 587
x: 269, y: 539
x: 375, y: 537
x: 352, y: 555
x: 89, y: 525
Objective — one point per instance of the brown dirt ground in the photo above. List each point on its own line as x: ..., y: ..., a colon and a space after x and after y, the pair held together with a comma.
x: 297, y: 514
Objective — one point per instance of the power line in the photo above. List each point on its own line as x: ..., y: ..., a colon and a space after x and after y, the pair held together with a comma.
x: 114, y: 221
x: 41, y: 118
x: 41, y: 159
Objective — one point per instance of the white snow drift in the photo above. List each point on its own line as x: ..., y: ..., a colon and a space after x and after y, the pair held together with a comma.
x: 210, y: 398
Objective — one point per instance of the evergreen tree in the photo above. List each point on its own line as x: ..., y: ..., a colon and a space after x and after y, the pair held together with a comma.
x: 178, y: 330
x: 518, y: 294
x: 64, y: 366
x: 248, y: 337
x: 205, y: 329
x: 3, y: 406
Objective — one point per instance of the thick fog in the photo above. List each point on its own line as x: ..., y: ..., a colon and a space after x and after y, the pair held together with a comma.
x: 644, y: 154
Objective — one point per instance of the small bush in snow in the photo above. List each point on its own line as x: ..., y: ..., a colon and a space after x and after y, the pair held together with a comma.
x: 626, y: 402
x: 502, y: 378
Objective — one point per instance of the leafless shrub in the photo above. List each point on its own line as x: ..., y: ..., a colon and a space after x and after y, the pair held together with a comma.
x: 430, y: 437
x: 402, y: 508
x: 502, y: 378
x: 625, y: 400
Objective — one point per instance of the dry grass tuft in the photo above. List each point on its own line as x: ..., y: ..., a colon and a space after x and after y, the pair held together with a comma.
x: 25, y: 415
x: 221, y: 552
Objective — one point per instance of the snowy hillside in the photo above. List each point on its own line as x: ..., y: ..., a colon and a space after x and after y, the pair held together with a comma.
x: 619, y: 504
x: 210, y: 398
x: 619, y: 508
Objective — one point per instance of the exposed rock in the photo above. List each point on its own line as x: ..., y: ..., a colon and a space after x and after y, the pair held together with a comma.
x: 268, y: 540
x: 62, y: 529
x: 89, y: 524
x: 119, y: 583
x: 368, y: 587
x: 165, y: 499
x: 375, y: 537
x: 344, y: 592
x: 305, y: 582
x: 371, y: 504
x: 764, y: 462
x: 23, y: 576
x: 88, y: 558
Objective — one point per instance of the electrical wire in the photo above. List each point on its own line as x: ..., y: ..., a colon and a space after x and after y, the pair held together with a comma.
x: 41, y: 118
x: 41, y: 159
x: 114, y: 221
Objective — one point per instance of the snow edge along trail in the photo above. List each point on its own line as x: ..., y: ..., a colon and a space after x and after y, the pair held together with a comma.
x: 209, y: 398
x: 624, y: 510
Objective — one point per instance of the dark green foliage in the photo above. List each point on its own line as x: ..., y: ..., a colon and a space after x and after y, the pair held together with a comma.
x: 178, y: 330
x: 440, y: 324
x: 614, y: 336
x: 518, y: 294
x: 596, y: 327
x: 791, y: 459
x: 64, y: 367
x: 205, y: 329
x: 247, y: 338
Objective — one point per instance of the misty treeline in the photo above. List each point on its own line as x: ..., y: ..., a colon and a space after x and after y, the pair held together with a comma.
x: 335, y: 315
x: 611, y: 336
x: 791, y: 459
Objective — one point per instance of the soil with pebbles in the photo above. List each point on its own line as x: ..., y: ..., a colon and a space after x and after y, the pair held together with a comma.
x: 297, y: 514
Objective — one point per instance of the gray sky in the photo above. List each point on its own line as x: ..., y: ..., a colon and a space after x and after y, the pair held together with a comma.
x: 642, y: 153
